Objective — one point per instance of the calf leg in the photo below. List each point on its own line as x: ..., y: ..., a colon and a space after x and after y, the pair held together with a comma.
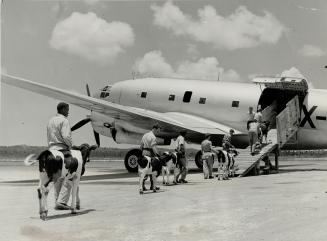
x: 168, y: 174
x: 42, y: 192
x: 141, y: 181
x: 154, y: 182
x: 78, y: 200
x: 163, y: 171
x: 74, y: 194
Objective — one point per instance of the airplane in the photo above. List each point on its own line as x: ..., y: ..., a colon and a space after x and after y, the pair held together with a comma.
x: 128, y: 109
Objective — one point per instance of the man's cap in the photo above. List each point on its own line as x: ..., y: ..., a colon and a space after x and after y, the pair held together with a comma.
x: 183, y: 132
x: 156, y: 126
x: 61, y: 106
x: 232, y: 131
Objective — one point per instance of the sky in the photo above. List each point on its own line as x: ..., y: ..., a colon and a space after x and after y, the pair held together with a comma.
x: 67, y: 44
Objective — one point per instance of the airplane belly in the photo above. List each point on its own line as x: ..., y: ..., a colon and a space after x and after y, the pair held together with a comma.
x: 308, y: 139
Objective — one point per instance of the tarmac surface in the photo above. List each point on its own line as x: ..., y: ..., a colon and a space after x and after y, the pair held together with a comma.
x: 290, y: 206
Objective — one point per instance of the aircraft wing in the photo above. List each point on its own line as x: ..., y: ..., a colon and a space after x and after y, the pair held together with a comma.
x: 172, y: 122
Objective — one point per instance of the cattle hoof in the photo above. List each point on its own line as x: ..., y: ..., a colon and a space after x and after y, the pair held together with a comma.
x: 44, y: 215
x: 141, y: 192
x: 175, y: 183
x: 154, y: 190
x: 78, y: 207
x: 73, y: 211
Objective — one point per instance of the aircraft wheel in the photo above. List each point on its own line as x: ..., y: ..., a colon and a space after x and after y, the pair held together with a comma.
x: 131, y: 159
x: 198, y: 160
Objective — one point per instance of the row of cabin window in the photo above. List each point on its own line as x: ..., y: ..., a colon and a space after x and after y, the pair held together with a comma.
x: 187, y: 98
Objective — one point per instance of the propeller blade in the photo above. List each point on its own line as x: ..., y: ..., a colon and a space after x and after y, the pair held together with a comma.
x: 88, y: 90
x: 80, y: 124
x: 97, y: 137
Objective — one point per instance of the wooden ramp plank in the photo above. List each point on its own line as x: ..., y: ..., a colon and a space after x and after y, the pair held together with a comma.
x: 246, y: 161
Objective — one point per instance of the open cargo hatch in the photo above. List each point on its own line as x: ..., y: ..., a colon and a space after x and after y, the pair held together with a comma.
x: 283, y: 83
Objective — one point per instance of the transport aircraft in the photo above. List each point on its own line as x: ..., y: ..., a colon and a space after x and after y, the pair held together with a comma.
x: 128, y: 109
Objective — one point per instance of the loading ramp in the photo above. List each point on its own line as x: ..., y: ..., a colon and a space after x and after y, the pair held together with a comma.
x: 287, y: 124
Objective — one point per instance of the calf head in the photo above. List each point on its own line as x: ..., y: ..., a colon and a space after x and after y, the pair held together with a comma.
x: 85, y: 150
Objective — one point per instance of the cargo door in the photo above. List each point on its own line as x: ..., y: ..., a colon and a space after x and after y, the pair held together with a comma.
x: 287, y: 122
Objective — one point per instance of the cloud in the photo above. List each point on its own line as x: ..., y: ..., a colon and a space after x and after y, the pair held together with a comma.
x: 91, y: 37
x: 241, y: 29
x: 292, y: 72
x: 311, y: 51
x: 192, y: 50
x: 154, y: 64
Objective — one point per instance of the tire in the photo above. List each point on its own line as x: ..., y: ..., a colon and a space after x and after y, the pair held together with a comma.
x: 198, y: 160
x: 131, y: 160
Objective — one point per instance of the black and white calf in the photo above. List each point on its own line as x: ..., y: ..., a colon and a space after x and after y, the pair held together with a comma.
x: 175, y: 165
x: 152, y: 167
x: 226, y: 164
x: 53, y: 165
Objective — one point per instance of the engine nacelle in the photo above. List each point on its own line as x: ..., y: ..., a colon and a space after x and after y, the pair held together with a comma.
x: 102, y: 124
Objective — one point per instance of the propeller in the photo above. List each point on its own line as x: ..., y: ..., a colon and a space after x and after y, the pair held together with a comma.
x: 87, y: 120
x: 80, y: 124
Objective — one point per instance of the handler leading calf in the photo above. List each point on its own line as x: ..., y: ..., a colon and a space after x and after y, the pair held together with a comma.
x: 52, y: 166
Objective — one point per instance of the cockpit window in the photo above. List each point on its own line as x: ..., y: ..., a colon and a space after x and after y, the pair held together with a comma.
x: 105, y: 92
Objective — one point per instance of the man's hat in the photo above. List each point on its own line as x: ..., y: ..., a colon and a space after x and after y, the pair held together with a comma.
x: 156, y: 126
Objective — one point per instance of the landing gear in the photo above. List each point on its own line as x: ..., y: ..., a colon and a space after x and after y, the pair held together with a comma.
x: 198, y: 160
x: 131, y: 159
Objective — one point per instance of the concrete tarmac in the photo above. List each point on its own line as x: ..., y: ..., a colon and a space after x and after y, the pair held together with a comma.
x: 290, y: 206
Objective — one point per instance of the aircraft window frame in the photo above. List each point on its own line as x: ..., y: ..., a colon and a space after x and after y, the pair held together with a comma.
x: 235, y: 103
x: 104, y: 94
x: 187, y: 96
x: 144, y: 94
x: 202, y: 100
x: 171, y: 97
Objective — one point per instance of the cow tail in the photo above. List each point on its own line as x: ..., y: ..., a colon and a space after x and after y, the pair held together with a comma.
x: 29, y: 161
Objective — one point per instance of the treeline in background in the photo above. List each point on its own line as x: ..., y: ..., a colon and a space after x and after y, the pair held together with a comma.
x: 21, y: 151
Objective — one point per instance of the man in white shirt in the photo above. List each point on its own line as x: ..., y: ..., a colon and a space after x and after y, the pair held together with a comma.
x: 60, y: 138
x: 149, y: 148
x: 180, y: 148
x: 207, y: 156
x: 58, y: 129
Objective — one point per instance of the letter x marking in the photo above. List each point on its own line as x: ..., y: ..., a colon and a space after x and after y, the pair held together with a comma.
x: 307, y: 116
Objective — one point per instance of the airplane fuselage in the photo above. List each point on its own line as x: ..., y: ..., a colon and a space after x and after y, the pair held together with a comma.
x: 223, y: 102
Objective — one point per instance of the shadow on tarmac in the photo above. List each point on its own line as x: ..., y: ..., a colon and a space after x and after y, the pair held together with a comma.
x: 68, y: 215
